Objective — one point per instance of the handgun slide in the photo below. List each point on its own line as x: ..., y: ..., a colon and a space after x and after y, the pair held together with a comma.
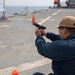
x: 39, y: 26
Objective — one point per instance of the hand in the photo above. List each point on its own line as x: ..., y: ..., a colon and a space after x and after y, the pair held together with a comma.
x: 43, y: 32
x: 37, y: 31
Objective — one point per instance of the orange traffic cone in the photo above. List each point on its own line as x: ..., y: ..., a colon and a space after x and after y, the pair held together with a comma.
x: 33, y: 18
x: 15, y: 72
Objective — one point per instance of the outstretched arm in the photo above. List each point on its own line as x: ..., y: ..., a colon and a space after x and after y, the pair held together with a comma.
x: 50, y: 36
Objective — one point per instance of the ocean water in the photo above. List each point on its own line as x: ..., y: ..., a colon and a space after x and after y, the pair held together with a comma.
x: 10, y: 10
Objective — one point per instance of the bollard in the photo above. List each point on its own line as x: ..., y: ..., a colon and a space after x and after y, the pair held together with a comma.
x: 15, y: 72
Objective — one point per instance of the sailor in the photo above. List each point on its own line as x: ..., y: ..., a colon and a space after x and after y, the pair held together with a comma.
x: 62, y: 48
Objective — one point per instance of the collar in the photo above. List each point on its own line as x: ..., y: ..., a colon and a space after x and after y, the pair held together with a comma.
x: 72, y: 36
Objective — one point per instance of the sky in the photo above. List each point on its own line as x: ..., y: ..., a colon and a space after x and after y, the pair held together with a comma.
x: 30, y: 2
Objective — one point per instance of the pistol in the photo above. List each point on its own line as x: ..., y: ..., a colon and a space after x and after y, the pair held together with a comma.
x: 39, y: 26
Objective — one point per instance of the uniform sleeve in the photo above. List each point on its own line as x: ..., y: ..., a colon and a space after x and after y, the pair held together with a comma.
x: 50, y: 50
x: 53, y: 36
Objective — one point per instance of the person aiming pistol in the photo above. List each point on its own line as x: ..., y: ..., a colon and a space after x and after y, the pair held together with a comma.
x: 62, y: 48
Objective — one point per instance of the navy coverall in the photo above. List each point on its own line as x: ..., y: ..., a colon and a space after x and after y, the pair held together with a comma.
x: 62, y: 52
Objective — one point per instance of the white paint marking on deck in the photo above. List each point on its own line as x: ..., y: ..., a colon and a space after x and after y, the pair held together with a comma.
x: 54, y: 13
x: 44, y: 20
x: 48, y: 17
x: 22, y: 47
x: 29, y: 19
x: 25, y: 66
x: 5, y: 26
x: 53, y: 19
x: 57, y: 12
x: 38, y: 19
x: 3, y: 46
